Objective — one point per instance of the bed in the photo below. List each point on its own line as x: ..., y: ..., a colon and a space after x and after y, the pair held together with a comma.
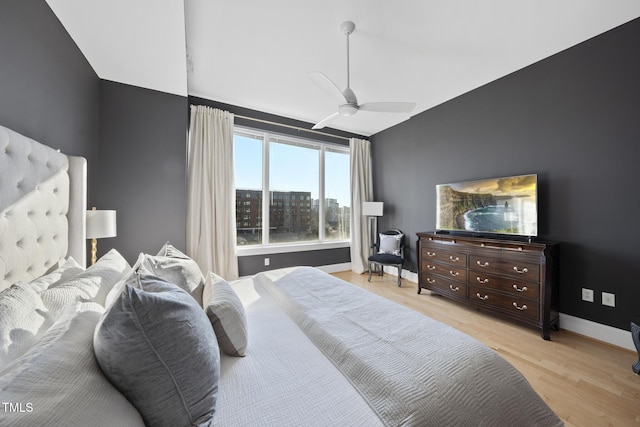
x: 287, y: 347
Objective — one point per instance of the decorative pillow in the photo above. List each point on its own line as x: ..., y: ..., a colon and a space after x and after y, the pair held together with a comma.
x: 175, y: 267
x: 93, y: 284
x: 23, y: 320
x: 116, y: 289
x: 156, y: 345
x: 64, y: 272
x: 390, y: 244
x: 59, y: 383
x: 227, y: 316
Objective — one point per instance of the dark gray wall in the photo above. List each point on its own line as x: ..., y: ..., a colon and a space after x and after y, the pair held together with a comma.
x: 254, y: 264
x: 48, y: 90
x: 142, y: 167
x: 574, y: 119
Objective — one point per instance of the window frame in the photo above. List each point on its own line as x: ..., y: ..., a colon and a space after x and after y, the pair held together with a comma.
x: 271, y: 248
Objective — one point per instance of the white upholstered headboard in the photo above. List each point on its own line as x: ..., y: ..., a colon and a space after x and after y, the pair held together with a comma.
x: 42, y: 208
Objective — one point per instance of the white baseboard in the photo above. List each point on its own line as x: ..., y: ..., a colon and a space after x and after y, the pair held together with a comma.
x: 597, y: 331
x: 335, y: 268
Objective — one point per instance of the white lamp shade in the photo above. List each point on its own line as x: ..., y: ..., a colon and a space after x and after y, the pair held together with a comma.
x: 372, y: 208
x: 101, y: 224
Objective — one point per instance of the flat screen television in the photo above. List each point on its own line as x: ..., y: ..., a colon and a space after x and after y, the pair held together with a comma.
x: 506, y: 205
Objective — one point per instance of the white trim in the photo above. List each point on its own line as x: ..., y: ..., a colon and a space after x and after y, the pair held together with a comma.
x: 597, y: 331
x: 335, y: 268
x: 290, y: 247
x: 406, y: 274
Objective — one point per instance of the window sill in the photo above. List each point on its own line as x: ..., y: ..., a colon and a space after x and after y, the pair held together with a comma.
x: 290, y: 247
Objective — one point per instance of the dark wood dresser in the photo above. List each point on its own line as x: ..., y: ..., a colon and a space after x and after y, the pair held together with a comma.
x: 514, y: 279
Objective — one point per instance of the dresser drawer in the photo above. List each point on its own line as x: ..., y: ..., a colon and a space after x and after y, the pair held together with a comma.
x: 519, y: 288
x: 507, y: 266
x: 434, y: 253
x: 506, y: 303
x: 444, y: 286
x: 445, y: 270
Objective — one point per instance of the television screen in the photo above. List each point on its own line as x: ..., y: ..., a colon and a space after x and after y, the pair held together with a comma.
x: 505, y: 205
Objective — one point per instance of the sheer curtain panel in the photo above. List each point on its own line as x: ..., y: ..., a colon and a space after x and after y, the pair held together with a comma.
x: 361, y: 191
x: 211, y: 193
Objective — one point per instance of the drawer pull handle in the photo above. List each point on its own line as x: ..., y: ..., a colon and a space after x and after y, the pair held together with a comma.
x: 524, y: 306
x: 456, y: 289
x: 483, y: 298
x: 522, y: 289
x: 430, y: 238
x: 454, y: 273
x: 524, y: 270
x: 483, y: 281
x: 431, y: 267
x: 431, y: 253
x: 483, y: 264
x: 431, y: 281
x: 454, y: 259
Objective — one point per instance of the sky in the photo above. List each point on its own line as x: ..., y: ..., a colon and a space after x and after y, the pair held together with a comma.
x: 291, y: 168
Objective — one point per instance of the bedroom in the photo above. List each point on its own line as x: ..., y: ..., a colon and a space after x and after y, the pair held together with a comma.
x: 577, y: 129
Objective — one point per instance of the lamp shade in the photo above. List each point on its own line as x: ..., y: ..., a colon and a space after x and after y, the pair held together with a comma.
x: 372, y: 208
x: 101, y: 224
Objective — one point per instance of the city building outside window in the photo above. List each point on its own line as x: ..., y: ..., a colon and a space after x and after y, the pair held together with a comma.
x: 301, y: 186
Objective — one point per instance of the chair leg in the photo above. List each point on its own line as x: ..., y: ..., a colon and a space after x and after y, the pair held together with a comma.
x: 369, y: 279
x: 399, y: 275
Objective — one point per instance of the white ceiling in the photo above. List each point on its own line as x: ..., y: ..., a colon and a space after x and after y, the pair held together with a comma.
x: 258, y: 54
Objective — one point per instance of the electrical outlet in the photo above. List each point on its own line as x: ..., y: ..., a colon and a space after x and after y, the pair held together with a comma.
x: 266, y: 261
x: 608, y: 299
x: 587, y: 295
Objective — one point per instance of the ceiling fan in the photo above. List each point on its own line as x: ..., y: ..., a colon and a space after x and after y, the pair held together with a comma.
x: 348, y: 103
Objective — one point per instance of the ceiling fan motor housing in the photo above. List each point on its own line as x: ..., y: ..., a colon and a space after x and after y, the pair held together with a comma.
x: 347, y: 109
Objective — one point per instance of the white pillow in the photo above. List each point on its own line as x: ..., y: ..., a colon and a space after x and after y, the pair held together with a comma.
x: 93, y: 284
x: 66, y: 271
x: 58, y: 381
x: 175, y: 267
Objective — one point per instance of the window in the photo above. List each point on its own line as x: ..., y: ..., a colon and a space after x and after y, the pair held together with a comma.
x: 302, y: 186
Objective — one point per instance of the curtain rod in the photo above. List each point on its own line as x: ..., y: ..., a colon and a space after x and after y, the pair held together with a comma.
x: 291, y: 127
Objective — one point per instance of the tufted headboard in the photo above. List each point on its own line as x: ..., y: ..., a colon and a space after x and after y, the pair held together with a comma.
x: 42, y: 208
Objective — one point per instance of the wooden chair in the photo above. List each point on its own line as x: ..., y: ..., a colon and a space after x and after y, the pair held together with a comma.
x: 388, y: 250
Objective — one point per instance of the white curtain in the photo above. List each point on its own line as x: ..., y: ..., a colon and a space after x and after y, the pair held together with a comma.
x: 361, y: 191
x: 211, y: 193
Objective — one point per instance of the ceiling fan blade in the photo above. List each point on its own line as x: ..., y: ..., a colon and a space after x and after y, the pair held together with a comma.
x: 388, y: 107
x: 322, y: 123
x: 326, y: 84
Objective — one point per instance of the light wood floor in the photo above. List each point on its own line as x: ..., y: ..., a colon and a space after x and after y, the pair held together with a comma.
x: 586, y: 382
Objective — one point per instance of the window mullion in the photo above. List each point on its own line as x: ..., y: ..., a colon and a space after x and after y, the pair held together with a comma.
x: 266, y: 202
x: 321, y: 197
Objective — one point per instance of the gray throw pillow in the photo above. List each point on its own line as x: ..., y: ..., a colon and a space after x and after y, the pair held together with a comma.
x: 390, y: 244
x: 156, y: 345
x: 226, y: 314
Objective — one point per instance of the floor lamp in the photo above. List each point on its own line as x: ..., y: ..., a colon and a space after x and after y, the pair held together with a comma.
x: 373, y: 210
